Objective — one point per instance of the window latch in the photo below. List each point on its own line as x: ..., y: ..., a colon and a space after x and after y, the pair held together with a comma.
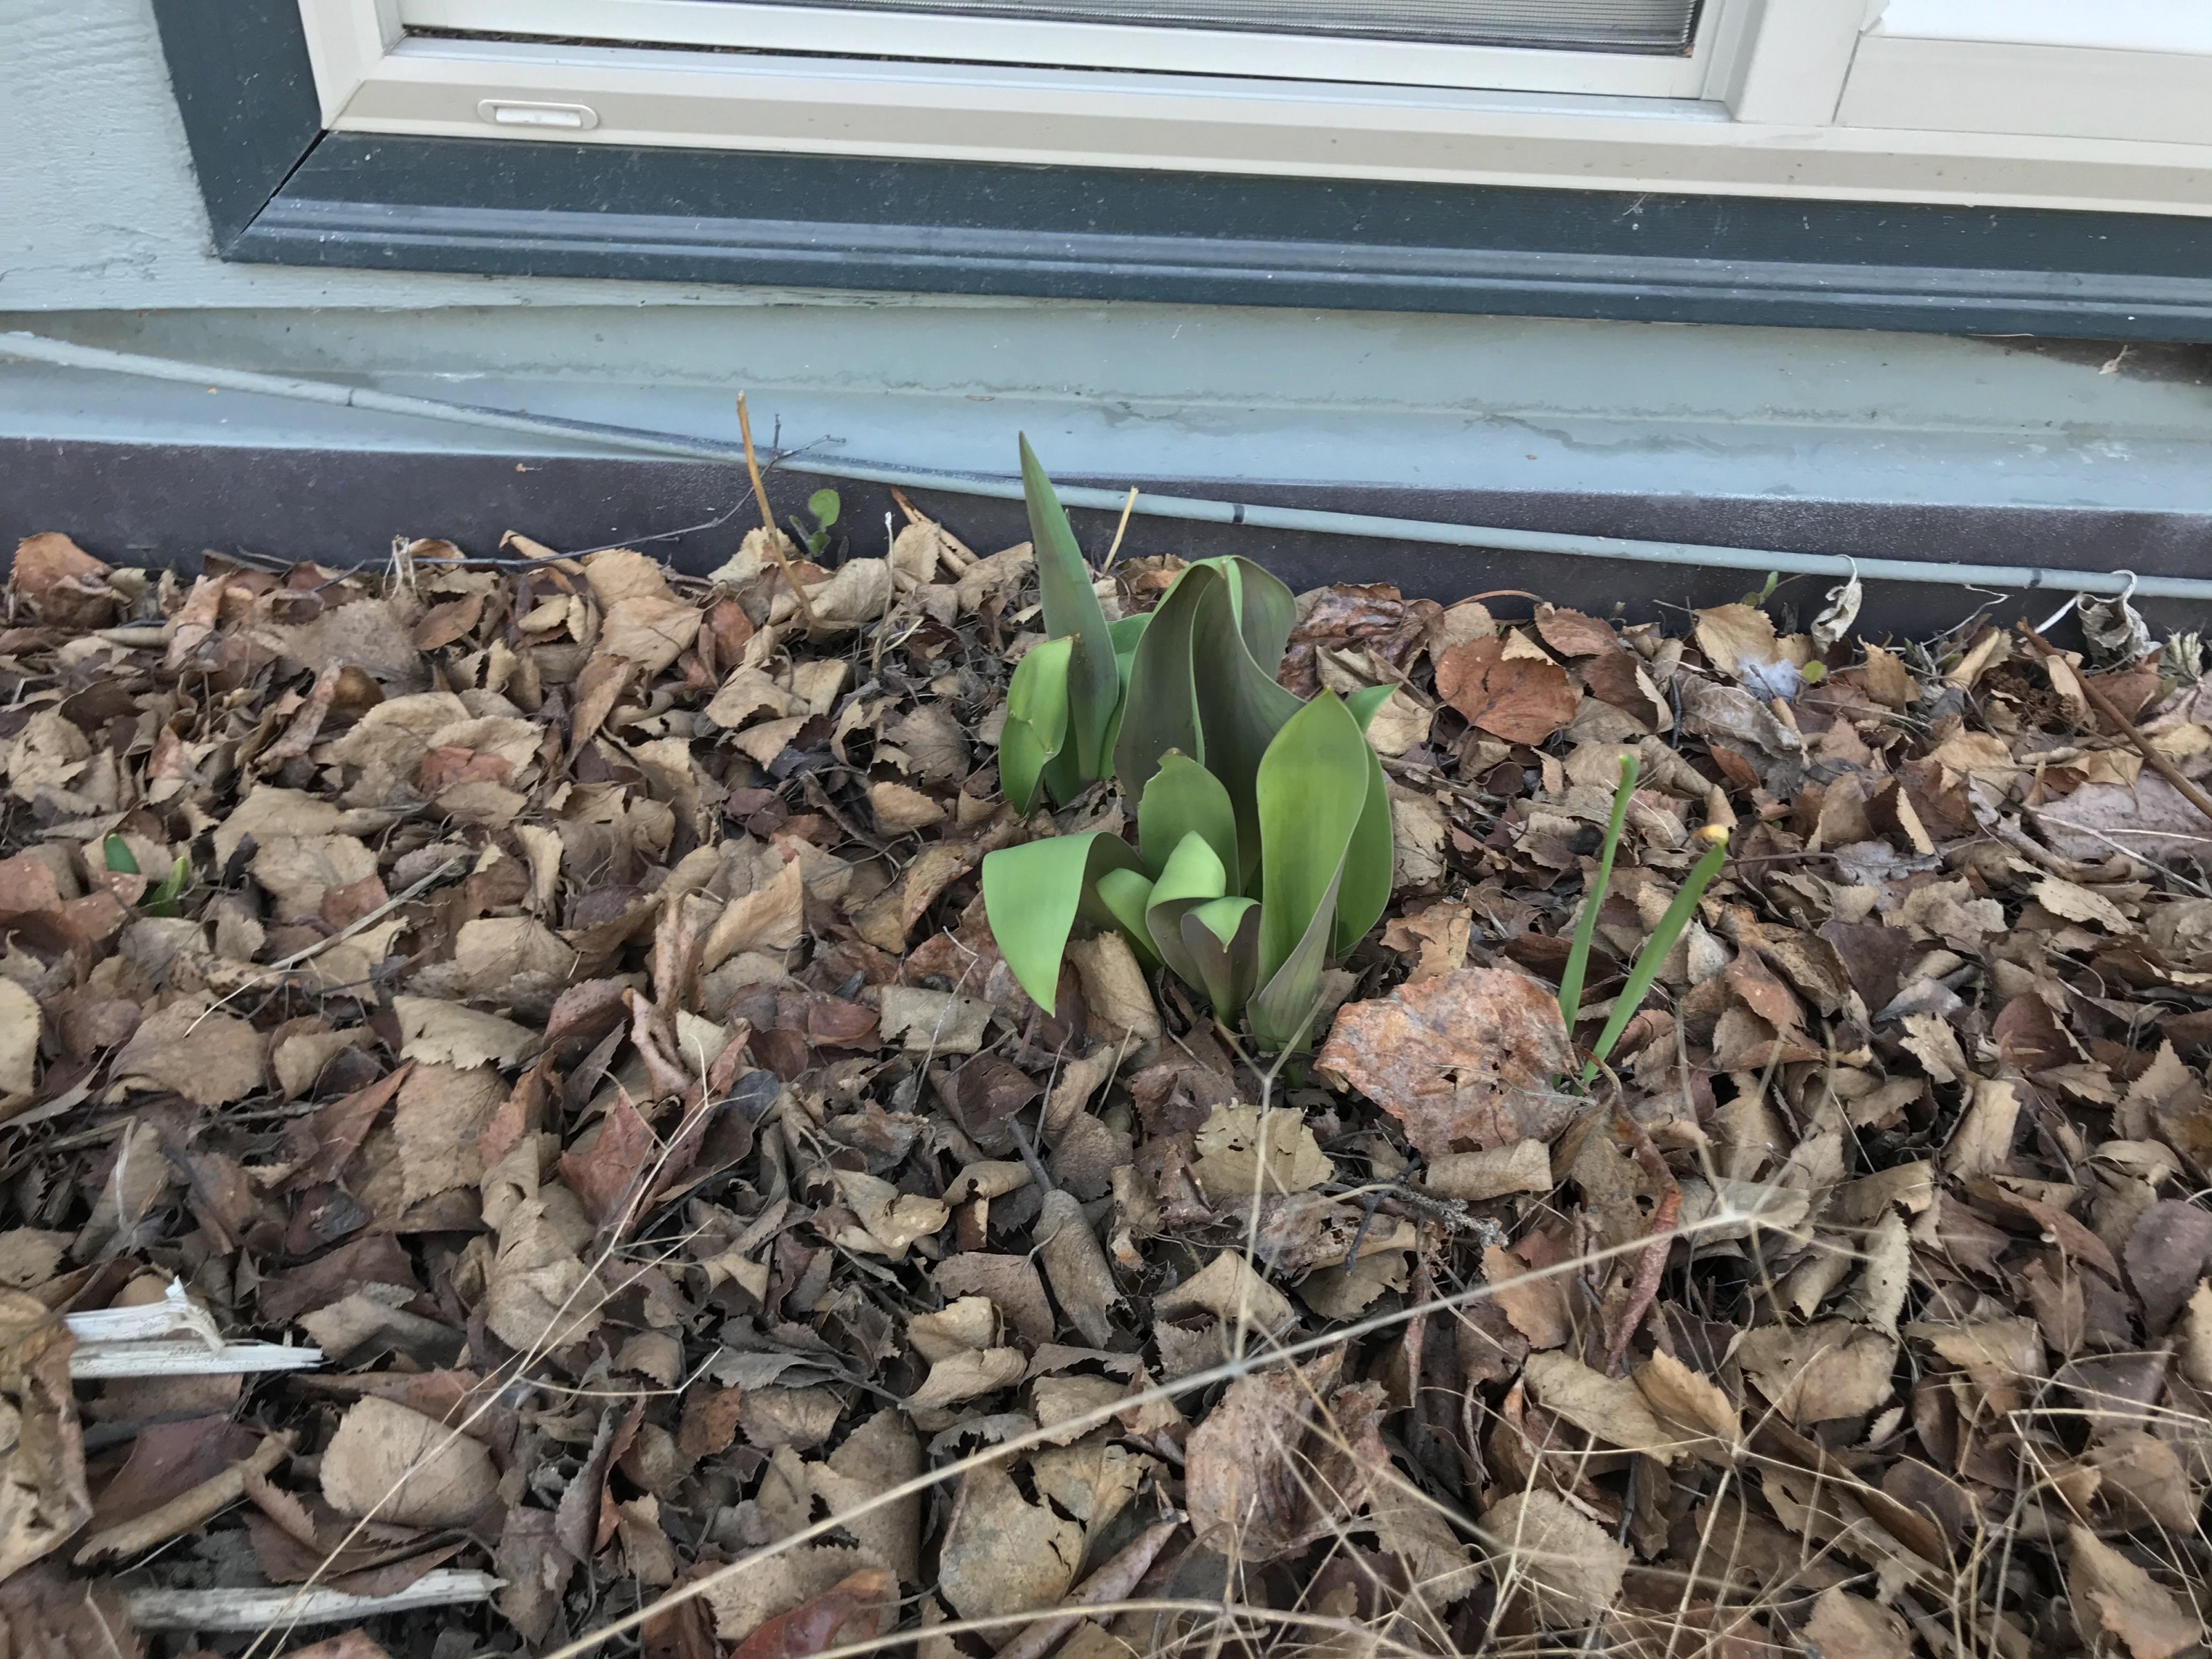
x: 508, y: 112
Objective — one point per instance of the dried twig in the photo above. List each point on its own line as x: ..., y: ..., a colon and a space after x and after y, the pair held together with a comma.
x: 94, y: 1362
x: 361, y: 924
x: 772, y: 536
x: 189, y: 1508
x: 251, y: 1609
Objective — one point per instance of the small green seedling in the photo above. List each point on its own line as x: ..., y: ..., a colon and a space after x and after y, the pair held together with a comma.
x: 1571, y: 982
x: 160, y: 901
x: 1655, y: 949
x: 822, y: 505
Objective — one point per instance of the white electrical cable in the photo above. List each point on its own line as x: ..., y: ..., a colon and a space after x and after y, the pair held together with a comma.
x: 39, y: 347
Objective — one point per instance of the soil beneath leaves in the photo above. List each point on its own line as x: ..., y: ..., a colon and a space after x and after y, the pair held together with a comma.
x: 557, y: 990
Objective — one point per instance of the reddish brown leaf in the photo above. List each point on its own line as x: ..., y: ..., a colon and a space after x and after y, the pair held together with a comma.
x: 1467, y: 1060
x: 849, y: 1610
x: 1520, y: 699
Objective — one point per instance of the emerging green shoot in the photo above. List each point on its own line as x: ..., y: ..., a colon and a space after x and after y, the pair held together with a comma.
x: 1064, y: 705
x: 161, y: 899
x: 1670, y: 928
x: 1571, y: 982
x: 822, y: 507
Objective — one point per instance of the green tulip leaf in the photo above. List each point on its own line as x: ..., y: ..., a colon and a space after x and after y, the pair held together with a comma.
x: 1282, y: 1012
x: 1311, y: 788
x: 1242, y: 709
x: 1184, y: 798
x: 1192, y: 875
x: 1036, y: 721
x: 1265, y: 610
x: 1368, y: 866
x: 1367, y: 701
x: 119, y: 858
x: 1072, y: 611
x: 1161, y: 711
x: 1222, y: 938
x: 1032, y: 893
x: 1127, y: 894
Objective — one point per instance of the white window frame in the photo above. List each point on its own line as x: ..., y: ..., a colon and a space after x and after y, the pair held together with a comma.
x: 949, y: 38
x: 1787, y: 103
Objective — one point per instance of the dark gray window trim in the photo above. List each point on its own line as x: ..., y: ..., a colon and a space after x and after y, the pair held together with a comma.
x: 281, y: 190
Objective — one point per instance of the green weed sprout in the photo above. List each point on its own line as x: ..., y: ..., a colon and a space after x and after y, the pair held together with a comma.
x: 1571, y: 982
x: 823, y: 505
x: 1655, y: 948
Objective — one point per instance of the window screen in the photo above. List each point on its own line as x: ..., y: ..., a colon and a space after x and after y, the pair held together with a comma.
x: 1624, y: 26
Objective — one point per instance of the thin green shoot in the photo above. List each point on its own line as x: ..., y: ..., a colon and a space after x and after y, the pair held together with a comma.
x: 1571, y: 982
x: 1655, y: 949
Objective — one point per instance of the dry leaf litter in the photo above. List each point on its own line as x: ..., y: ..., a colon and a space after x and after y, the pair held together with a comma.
x: 571, y: 1133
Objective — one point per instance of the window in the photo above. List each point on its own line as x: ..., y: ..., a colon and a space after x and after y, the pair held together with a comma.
x: 2023, y: 102
x: 1992, y: 166
x: 1647, y: 48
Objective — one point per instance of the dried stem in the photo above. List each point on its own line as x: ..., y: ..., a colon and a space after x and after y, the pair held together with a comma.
x: 773, y: 537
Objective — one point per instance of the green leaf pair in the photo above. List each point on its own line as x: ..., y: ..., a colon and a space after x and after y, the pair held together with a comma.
x: 1649, y: 959
x: 161, y: 900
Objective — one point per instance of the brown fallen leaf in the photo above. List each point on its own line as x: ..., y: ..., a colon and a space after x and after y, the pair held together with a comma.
x: 2167, y: 1254
x: 396, y: 1465
x: 2114, y: 1598
x: 1240, y: 1151
x: 454, y: 1034
x: 66, y: 586
x: 1817, y: 1373
x: 850, y: 1610
x: 1002, y: 1554
x: 1691, y: 1403
x: 1522, y: 699
x: 1536, y: 1306
x: 1247, y: 1478
x: 188, y: 1047
x: 1846, y: 1626
x: 42, y: 1491
x: 1552, y: 1552
x: 1465, y: 1061
x: 439, y: 1113
x: 43, y: 1615
x: 1611, y: 1410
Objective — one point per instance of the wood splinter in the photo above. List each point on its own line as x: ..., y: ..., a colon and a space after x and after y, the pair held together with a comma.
x: 187, y: 1510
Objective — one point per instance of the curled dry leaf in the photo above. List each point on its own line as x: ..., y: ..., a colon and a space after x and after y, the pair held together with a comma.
x: 1465, y: 1061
